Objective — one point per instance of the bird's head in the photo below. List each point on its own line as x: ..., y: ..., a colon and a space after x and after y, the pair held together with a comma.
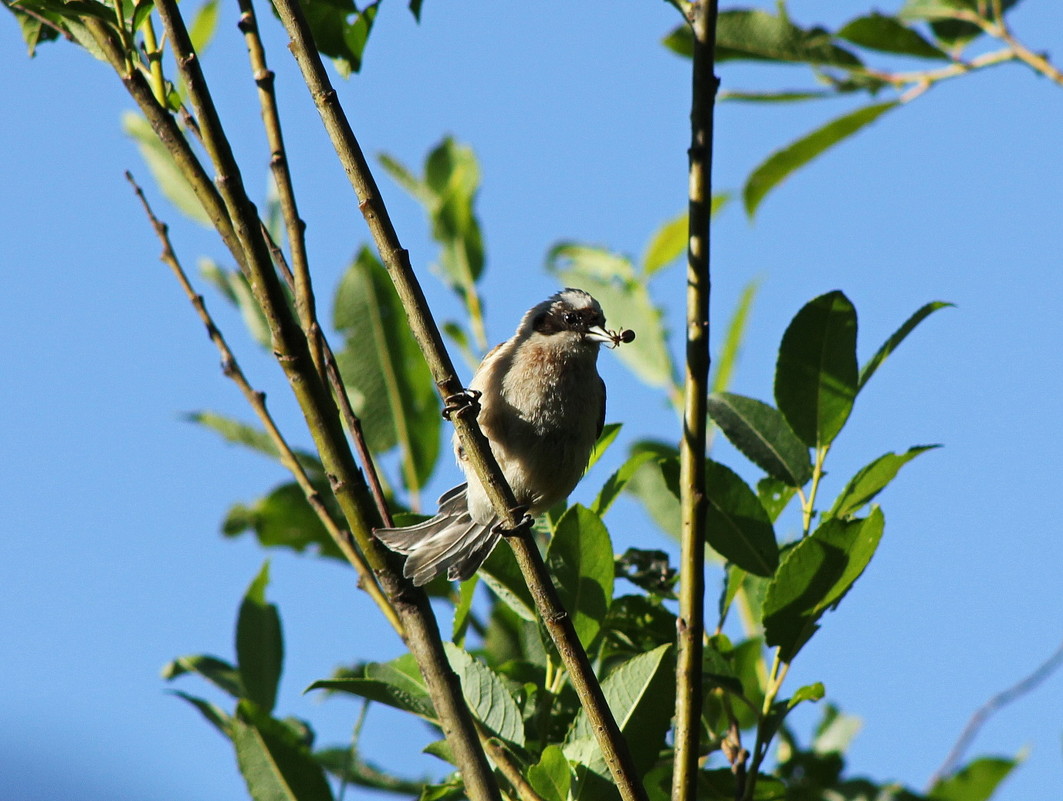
x: 571, y: 313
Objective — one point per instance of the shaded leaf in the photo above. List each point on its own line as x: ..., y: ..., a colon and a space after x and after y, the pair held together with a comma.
x: 896, y: 339
x: 348, y: 765
x: 341, y: 31
x: 463, y: 608
x: 171, y: 181
x: 501, y: 573
x: 725, y: 361
x: 758, y: 35
x: 780, y: 164
x: 736, y: 525
x: 816, y: 373
x: 211, y: 713
x: 234, y: 287
x: 389, y: 384
x: 649, y: 570
x: 774, y: 496
x: 654, y: 484
x: 611, y: 278
x: 249, y: 436
x: 274, y: 761
x: 814, y: 575
x: 950, y: 31
x: 285, y: 519
x: 872, y: 479
x: 616, y: 483
x: 580, y: 559
x: 487, y: 695
x: 762, y: 434
x: 877, y: 31
x: 259, y: 644
x: 610, y: 431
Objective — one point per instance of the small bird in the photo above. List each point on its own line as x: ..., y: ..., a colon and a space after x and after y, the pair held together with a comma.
x: 542, y: 407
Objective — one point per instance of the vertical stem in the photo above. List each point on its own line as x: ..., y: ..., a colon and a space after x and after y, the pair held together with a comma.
x: 691, y: 623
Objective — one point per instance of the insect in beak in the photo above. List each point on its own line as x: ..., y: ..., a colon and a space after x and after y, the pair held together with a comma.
x: 611, y: 338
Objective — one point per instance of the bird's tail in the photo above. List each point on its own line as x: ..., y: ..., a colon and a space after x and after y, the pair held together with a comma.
x: 450, y: 541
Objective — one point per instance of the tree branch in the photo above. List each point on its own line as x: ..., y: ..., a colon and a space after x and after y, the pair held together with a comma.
x: 425, y: 331
x: 693, y: 499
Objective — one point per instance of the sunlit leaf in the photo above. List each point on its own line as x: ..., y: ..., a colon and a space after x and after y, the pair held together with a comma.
x: 487, y: 696
x: 283, y: 518
x: 203, y: 26
x: 171, y: 181
x: 551, y: 777
x: 780, y: 164
x: 975, y: 781
x: 249, y: 436
x: 669, y: 242
x: 727, y: 359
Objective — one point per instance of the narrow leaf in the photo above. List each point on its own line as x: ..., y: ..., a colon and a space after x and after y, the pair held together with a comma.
x: 668, y: 244
x: 616, y: 483
x: 234, y: 287
x: 727, y: 358
x: 736, y: 525
x: 390, y: 386
x: 502, y: 576
x: 580, y: 558
x: 654, y: 484
x: 211, y: 713
x: 816, y: 373
x: 249, y: 436
x: 487, y: 695
x: 872, y: 479
x: 204, y: 24
x: 218, y: 672
x: 608, y: 436
x: 810, y: 692
x: 780, y: 164
x: 896, y: 339
x: 762, y: 434
x: 259, y: 643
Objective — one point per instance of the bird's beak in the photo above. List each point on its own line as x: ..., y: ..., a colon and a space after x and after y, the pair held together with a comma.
x: 599, y: 334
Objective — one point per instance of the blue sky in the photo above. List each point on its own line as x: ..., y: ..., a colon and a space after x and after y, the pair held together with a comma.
x: 110, y: 503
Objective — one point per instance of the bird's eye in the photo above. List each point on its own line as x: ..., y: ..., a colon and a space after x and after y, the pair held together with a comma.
x: 571, y: 318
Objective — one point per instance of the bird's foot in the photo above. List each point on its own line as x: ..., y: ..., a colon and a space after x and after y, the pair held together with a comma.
x: 461, y: 402
x: 525, y: 523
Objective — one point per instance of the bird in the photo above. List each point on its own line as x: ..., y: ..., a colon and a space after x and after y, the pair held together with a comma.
x: 542, y: 408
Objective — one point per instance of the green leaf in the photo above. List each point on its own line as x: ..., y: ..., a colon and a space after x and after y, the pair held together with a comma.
x: 668, y: 243
x: 816, y: 373
x: 285, y: 519
x: 259, y: 644
x: 654, y: 483
x: 612, y: 279
x: 218, y: 672
x: 274, y: 761
x: 616, y: 483
x: 727, y: 358
x: 876, y: 31
x: 780, y: 164
x: 254, y: 438
x: 872, y: 479
x: 641, y: 697
x: 551, y: 777
x: 774, y: 496
x: 976, y: 781
x: 389, y: 384
x: 234, y: 287
x: 762, y: 434
x: 415, y: 8
x: 810, y: 692
x: 896, y: 339
x: 204, y: 24
x: 397, y: 683
x: 610, y: 431
x: 502, y: 576
x: 211, y: 713
x: 341, y: 31
x: 171, y: 181
x: 814, y: 576
x: 950, y: 32
x: 487, y: 695
x: 580, y: 558
x: 463, y: 608
x: 736, y: 525
x: 757, y: 35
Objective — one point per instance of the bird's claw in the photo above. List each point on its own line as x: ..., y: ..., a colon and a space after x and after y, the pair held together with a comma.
x: 525, y: 523
x: 461, y: 402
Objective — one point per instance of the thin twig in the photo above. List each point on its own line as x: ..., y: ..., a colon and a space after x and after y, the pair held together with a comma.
x: 396, y: 260
x: 257, y: 401
x: 507, y: 766
x: 691, y: 621
x: 991, y: 707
